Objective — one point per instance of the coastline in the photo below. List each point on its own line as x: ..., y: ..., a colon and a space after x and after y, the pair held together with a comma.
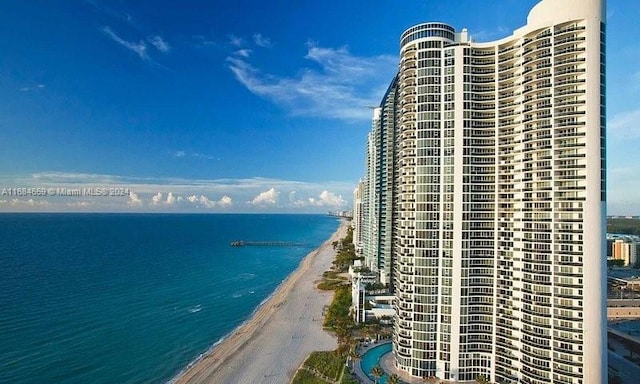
x: 271, y: 345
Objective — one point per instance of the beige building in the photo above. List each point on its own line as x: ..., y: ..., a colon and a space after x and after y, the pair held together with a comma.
x: 626, y: 250
x: 498, y: 214
x: 358, y: 217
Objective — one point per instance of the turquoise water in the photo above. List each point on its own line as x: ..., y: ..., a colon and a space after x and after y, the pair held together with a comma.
x: 99, y: 298
x: 372, y: 357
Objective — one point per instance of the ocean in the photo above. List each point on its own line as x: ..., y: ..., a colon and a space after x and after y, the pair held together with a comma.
x: 122, y: 298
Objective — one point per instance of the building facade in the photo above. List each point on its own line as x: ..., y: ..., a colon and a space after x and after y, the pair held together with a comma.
x: 498, y: 200
x: 378, y: 184
x: 358, y: 217
x: 370, y: 210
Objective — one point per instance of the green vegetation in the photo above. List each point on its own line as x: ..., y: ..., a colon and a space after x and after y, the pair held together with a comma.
x: 323, y: 368
x: 328, y: 363
x: 375, y: 287
x: 346, y: 252
x: 304, y: 376
x: 377, y: 373
x: 331, y: 285
x: 394, y: 379
x: 337, y: 314
x: 344, y: 258
x: 332, y: 275
x: 623, y: 226
x: 332, y: 281
x: 615, y: 263
x: 338, y: 320
x: 347, y: 379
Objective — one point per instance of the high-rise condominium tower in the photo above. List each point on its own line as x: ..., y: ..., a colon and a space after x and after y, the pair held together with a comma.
x: 497, y: 199
x: 378, y: 181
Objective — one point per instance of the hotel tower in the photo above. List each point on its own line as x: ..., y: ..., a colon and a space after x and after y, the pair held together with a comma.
x: 493, y: 208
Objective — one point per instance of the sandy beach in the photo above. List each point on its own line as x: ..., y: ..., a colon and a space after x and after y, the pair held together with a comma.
x: 281, y: 334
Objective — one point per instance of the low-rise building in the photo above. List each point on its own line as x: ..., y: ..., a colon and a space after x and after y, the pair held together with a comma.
x: 624, y: 247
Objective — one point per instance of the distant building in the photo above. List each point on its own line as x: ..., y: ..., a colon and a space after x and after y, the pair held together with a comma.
x: 358, y: 217
x: 379, y: 187
x: 343, y: 214
x: 626, y: 248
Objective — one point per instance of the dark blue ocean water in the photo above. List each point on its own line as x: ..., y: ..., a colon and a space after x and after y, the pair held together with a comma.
x: 118, y: 298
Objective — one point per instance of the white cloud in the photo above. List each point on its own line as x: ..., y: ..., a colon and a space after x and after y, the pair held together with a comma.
x: 269, y: 197
x: 328, y: 199
x: 26, y: 203
x: 134, y: 200
x: 202, y: 156
x: 203, y: 41
x: 331, y: 199
x: 160, y: 44
x: 78, y: 204
x: 243, y: 52
x: 151, y: 194
x: 324, y: 199
x: 336, y: 84
x: 157, y: 198
x: 183, y: 154
x: 261, y: 41
x: 225, y: 202
x: 139, y: 48
x: 625, y: 125
x: 236, y: 41
x: 171, y: 199
x: 34, y: 88
x: 201, y: 200
x: 204, y: 200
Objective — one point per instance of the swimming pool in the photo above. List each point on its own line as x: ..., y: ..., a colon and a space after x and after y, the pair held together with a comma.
x: 372, y: 357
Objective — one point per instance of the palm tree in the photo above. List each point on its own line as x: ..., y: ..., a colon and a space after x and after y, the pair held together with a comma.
x: 394, y: 379
x: 482, y: 379
x: 375, y: 329
x: 377, y: 373
x: 353, y: 356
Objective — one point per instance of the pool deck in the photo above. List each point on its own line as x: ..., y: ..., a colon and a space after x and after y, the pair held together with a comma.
x: 362, y: 350
x: 386, y: 363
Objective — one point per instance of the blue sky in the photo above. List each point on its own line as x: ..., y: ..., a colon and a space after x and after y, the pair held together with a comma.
x: 244, y: 106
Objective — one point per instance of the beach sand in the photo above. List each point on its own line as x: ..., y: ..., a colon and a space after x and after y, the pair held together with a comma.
x: 271, y: 345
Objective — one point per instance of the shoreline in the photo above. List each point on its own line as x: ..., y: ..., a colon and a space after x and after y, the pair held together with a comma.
x: 272, y: 339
